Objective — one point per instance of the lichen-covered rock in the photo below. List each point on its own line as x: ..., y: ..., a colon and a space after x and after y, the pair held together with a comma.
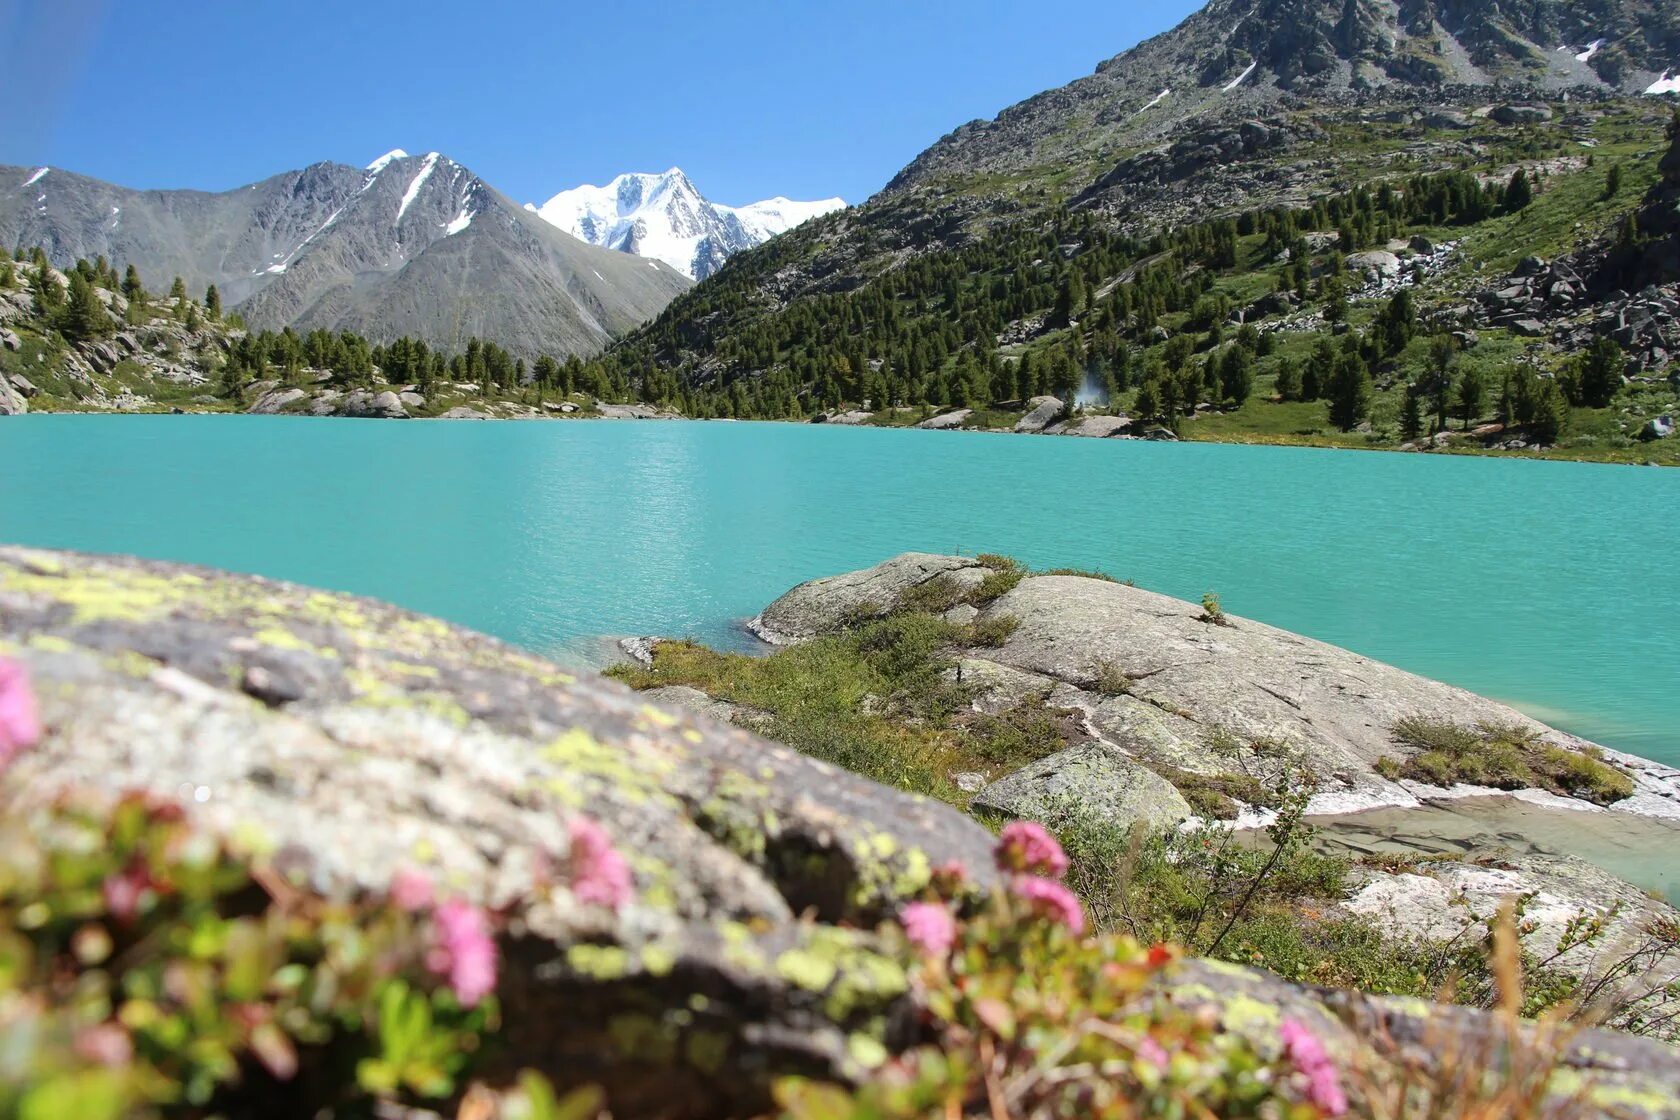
x: 1104, y: 783
x: 1579, y: 919
x: 354, y: 739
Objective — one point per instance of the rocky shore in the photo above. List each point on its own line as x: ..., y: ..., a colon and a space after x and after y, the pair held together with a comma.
x: 356, y: 738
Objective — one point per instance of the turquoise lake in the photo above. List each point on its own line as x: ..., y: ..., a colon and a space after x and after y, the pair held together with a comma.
x: 1553, y: 586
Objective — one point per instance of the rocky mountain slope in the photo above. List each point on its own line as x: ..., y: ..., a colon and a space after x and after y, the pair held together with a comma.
x: 1221, y: 177
x: 410, y: 245
x: 342, y: 747
x: 665, y: 217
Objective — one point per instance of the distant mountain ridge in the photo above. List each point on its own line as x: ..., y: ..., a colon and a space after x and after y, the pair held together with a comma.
x: 665, y: 217
x: 408, y: 245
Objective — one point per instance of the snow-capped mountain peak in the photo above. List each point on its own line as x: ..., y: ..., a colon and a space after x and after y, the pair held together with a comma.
x: 664, y: 216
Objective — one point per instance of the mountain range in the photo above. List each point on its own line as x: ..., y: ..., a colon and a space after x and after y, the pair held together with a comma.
x: 666, y: 218
x: 409, y: 245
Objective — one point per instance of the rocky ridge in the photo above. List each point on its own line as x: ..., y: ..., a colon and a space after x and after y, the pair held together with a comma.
x: 410, y: 245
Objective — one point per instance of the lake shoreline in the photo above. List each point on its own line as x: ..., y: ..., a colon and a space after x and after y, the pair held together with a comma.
x: 1450, y: 450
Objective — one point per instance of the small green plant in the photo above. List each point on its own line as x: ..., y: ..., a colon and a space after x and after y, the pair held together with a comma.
x: 1212, y: 612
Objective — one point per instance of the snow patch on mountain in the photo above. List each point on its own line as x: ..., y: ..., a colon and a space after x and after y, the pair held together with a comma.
x: 665, y: 217
x: 1592, y: 49
x: 37, y: 177
x: 1665, y: 84
x: 1240, y: 78
x: 413, y: 191
x: 385, y: 160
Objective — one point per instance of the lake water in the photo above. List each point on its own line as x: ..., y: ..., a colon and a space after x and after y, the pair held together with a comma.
x: 1553, y: 586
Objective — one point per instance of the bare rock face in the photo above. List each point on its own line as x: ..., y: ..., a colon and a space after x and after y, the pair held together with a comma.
x: 357, y: 738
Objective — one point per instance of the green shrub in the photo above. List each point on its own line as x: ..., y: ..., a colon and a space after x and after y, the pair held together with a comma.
x: 997, y: 563
x: 992, y: 632
x: 1502, y: 757
x: 995, y: 586
x: 1111, y: 680
x: 1084, y: 573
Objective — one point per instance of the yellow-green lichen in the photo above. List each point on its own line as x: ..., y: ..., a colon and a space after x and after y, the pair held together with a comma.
x: 599, y: 962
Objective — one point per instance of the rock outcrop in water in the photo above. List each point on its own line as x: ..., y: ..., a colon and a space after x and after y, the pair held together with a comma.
x: 358, y: 738
x: 1163, y: 684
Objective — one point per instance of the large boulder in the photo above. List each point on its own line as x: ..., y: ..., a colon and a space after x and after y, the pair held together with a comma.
x: 1094, y: 781
x: 946, y: 420
x: 275, y: 400
x: 1377, y: 264
x: 1041, y: 413
x: 822, y: 606
x: 356, y: 739
x: 11, y: 401
x: 1521, y: 114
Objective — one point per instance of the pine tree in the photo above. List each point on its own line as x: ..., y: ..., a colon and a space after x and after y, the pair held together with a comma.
x: 132, y: 289
x: 1519, y: 193
x: 1472, y: 396
x: 1411, y: 416
x: 213, y: 302
x: 84, y: 317
x: 1613, y: 181
x: 1598, y: 373
x: 1442, y: 351
x: 1350, y: 392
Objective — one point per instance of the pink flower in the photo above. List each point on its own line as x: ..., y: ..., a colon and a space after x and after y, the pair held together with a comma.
x: 1306, y: 1053
x: 929, y: 926
x: 1050, y: 899
x: 20, y: 723
x: 1025, y: 846
x: 600, y: 877
x: 105, y: 1044
x: 411, y: 889
x: 122, y: 892
x: 1150, y: 1051
x: 463, y: 950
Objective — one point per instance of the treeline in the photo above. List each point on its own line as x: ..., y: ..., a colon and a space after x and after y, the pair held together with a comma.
x: 926, y: 333
x: 75, y: 310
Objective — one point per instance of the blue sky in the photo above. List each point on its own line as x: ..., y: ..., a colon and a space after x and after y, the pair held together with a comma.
x: 753, y: 98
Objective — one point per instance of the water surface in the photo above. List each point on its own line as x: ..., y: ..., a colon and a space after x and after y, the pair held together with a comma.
x: 1553, y: 586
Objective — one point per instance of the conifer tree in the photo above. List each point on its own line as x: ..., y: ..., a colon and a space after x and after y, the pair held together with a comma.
x: 84, y: 317
x: 1519, y: 193
x: 213, y: 302
x: 1350, y: 392
x: 1471, y: 396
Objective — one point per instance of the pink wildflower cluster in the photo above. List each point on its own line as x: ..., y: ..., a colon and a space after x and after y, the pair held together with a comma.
x: 1306, y: 1053
x: 1026, y: 847
x: 463, y: 950
x: 1029, y: 853
x: 20, y: 723
x: 930, y: 927
x: 600, y: 876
